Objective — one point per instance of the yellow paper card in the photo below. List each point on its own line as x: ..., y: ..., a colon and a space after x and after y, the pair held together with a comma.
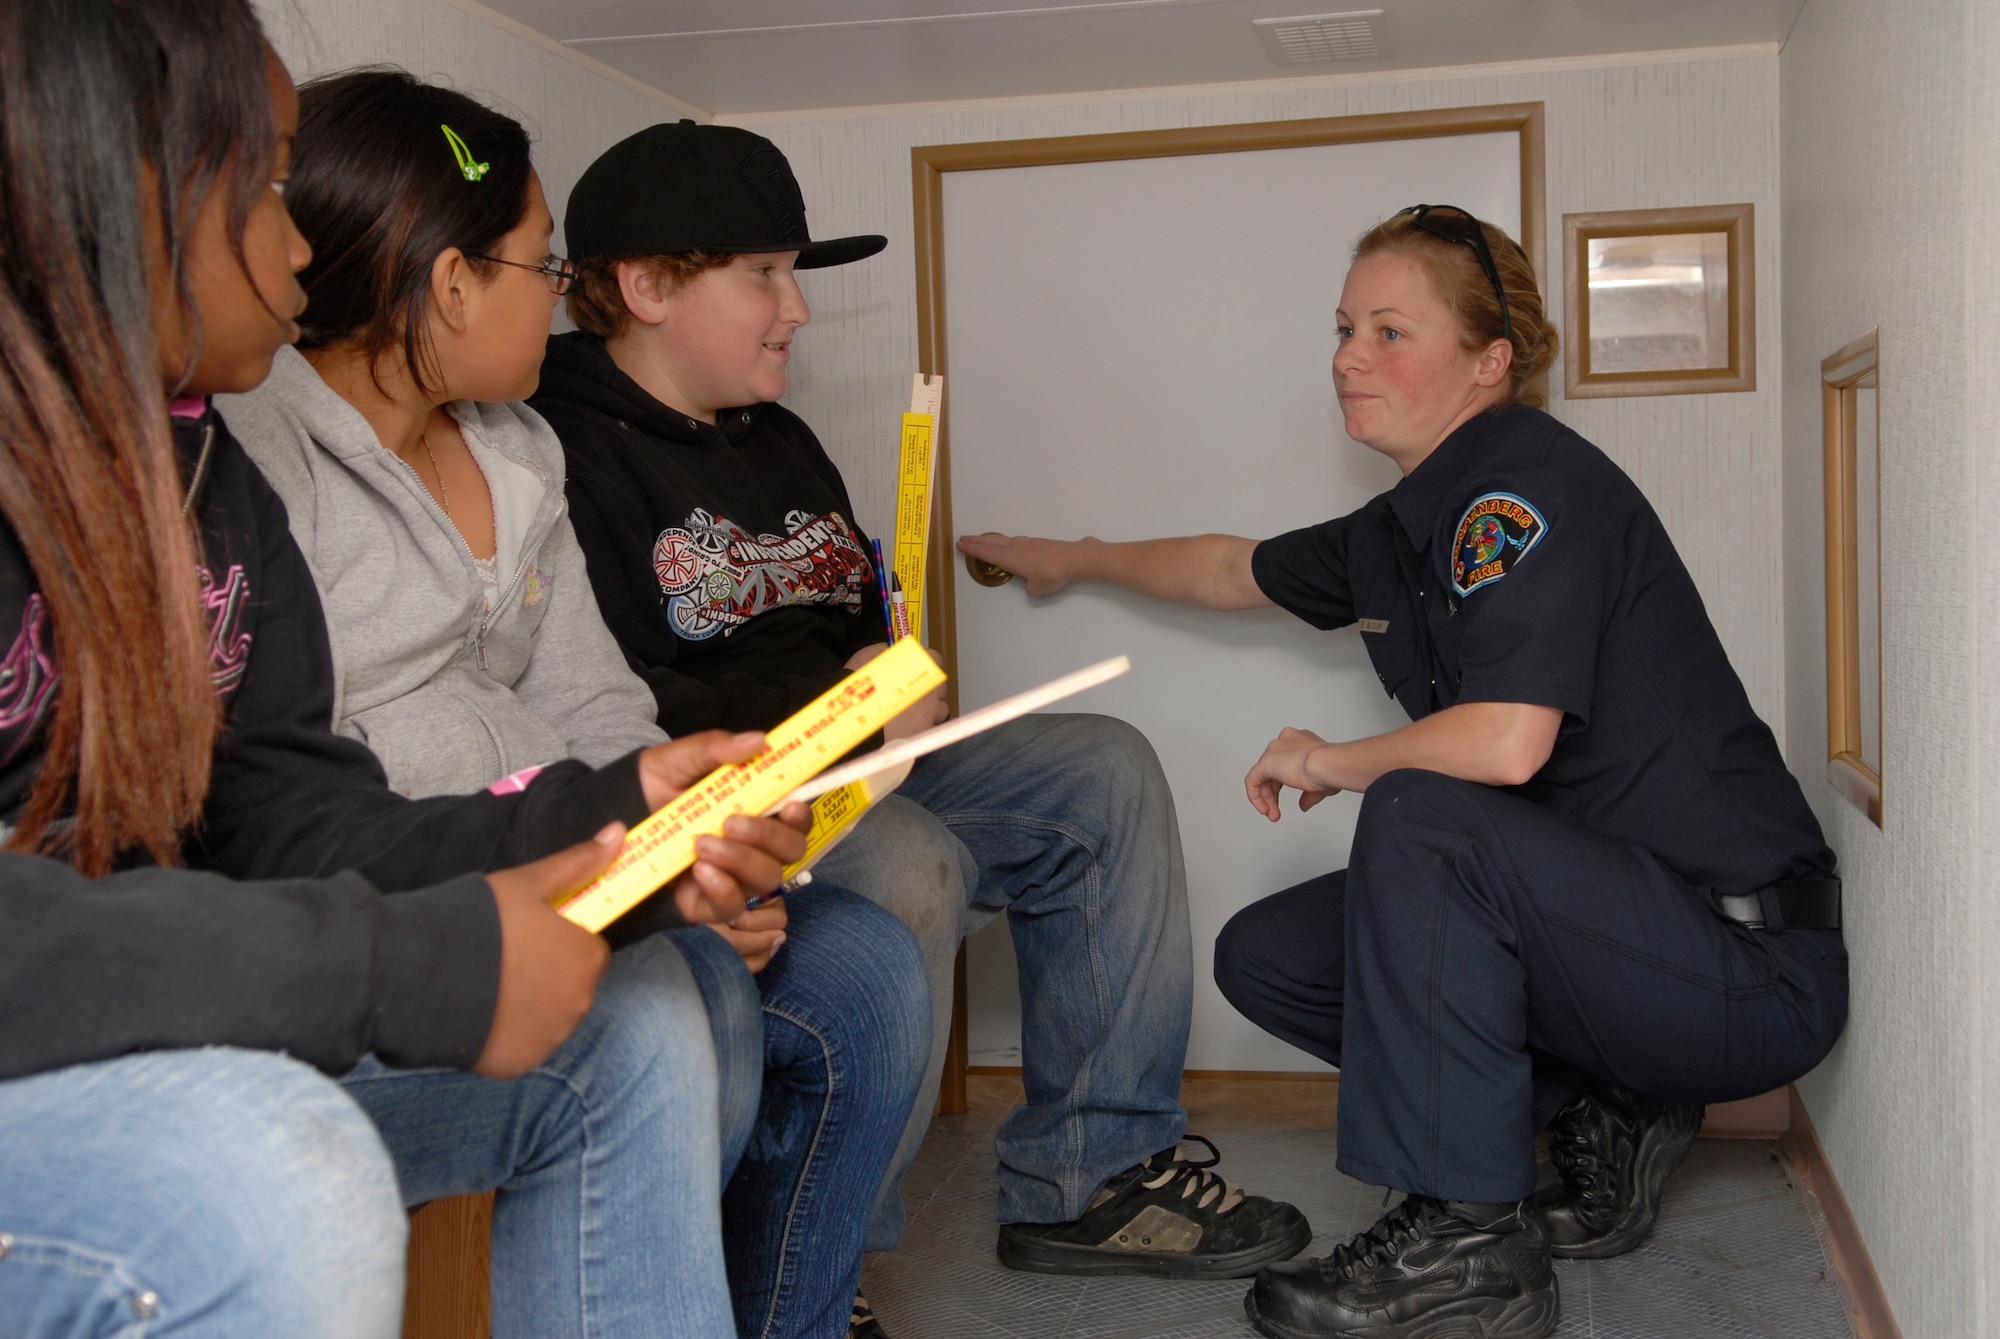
x: 913, y: 517
x: 916, y: 473
x: 800, y: 748
x: 833, y: 812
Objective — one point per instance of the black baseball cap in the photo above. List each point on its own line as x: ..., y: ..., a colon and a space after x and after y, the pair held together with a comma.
x: 679, y: 186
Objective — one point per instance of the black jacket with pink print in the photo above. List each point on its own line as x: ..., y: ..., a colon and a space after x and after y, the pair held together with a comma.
x: 278, y: 934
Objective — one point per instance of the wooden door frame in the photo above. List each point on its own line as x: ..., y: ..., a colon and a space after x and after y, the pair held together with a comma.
x: 928, y: 166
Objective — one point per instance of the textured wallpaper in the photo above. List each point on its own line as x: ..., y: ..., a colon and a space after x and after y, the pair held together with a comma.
x: 1889, y: 186
x: 1982, y: 165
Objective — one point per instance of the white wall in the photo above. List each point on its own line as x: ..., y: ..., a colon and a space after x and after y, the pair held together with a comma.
x: 1982, y: 123
x: 573, y: 110
x: 1621, y: 136
x: 1889, y: 192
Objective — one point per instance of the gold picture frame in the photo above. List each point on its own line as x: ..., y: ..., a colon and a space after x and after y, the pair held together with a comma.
x: 1850, y: 381
x: 1659, y: 302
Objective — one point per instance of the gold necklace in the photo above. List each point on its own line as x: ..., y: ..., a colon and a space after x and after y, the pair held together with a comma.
x: 444, y: 495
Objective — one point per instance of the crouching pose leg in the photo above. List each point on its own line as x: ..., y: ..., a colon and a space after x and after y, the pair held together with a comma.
x: 1482, y: 968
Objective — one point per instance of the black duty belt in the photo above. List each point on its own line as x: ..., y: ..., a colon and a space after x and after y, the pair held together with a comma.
x: 1800, y: 904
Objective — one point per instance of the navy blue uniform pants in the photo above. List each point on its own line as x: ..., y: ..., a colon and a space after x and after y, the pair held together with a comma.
x: 1481, y: 956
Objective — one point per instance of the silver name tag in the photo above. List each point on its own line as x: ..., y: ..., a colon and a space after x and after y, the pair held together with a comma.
x: 1373, y: 625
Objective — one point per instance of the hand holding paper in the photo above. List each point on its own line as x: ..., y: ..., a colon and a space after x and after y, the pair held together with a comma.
x: 799, y: 750
x: 664, y: 845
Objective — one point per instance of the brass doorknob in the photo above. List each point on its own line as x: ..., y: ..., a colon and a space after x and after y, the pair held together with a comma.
x: 986, y: 574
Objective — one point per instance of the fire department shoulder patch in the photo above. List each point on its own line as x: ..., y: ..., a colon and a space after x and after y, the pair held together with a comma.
x: 1496, y: 530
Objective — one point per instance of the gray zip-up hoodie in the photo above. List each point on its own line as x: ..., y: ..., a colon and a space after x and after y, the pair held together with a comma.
x: 450, y: 695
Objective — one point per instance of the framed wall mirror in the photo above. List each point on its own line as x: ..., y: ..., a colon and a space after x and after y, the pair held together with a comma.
x: 1659, y: 302
x: 1850, y: 386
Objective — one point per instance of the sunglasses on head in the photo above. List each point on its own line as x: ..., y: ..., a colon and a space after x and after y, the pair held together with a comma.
x: 1451, y: 224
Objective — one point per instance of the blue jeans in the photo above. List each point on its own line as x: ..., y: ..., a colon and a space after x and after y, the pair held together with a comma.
x: 1482, y: 956
x: 845, y: 1018
x: 1064, y: 822
x: 607, y: 1159
x: 221, y: 1193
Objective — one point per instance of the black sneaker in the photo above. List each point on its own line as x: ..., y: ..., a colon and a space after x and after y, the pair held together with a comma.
x: 1429, y: 1268
x: 1165, y: 1218
x: 862, y: 1324
x: 1614, y: 1150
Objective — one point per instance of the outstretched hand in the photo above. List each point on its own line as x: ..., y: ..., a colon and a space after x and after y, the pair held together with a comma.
x: 1042, y: 564
x: 1284, y: 764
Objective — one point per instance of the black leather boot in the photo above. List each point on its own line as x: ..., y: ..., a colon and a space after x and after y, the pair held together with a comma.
x: 1429, y: 1267
x: 1614, y: 1150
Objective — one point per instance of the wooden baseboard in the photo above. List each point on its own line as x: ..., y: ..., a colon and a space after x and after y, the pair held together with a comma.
x: 1765, y: 1117
x: 1853, y: 1268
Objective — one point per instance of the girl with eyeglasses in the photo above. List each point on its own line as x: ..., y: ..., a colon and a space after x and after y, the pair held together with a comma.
x: 253, y: 1003
x: 469, y: 649
x: 426, y: 497
x: 1584, y: 893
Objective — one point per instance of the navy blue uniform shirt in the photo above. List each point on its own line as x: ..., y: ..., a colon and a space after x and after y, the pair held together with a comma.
x: 1517, y: 563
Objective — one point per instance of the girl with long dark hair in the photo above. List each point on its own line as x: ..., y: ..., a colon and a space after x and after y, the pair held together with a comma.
x: 467, y: 642
x: 164, y: 703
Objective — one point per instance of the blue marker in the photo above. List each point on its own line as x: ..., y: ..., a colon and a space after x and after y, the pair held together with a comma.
x: 882, y: 588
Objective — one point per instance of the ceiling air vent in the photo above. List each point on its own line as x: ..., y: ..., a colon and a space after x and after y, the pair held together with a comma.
x: 1358, y: 35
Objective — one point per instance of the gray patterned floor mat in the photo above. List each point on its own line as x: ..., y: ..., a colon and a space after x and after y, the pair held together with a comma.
x: 1734, y: 1255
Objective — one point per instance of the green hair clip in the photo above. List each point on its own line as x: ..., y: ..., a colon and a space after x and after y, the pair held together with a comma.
x: 473, y: 171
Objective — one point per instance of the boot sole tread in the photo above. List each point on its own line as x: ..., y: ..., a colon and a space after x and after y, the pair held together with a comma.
x: 1057, y: 1257
x: 1530, y: 1316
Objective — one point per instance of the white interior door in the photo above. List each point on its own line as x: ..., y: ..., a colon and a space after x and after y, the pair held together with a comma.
x: 1142, y: 348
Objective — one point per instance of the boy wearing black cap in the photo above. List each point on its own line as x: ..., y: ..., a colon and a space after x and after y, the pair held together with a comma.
x: 721, y: 545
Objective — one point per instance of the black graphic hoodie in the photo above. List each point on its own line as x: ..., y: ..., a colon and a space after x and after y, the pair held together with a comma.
x: 306, y: 954
x: 725, y: 556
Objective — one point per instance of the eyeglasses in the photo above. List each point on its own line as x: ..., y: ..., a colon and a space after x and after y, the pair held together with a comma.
x: 1461, y: 226
x: 555, y: 267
